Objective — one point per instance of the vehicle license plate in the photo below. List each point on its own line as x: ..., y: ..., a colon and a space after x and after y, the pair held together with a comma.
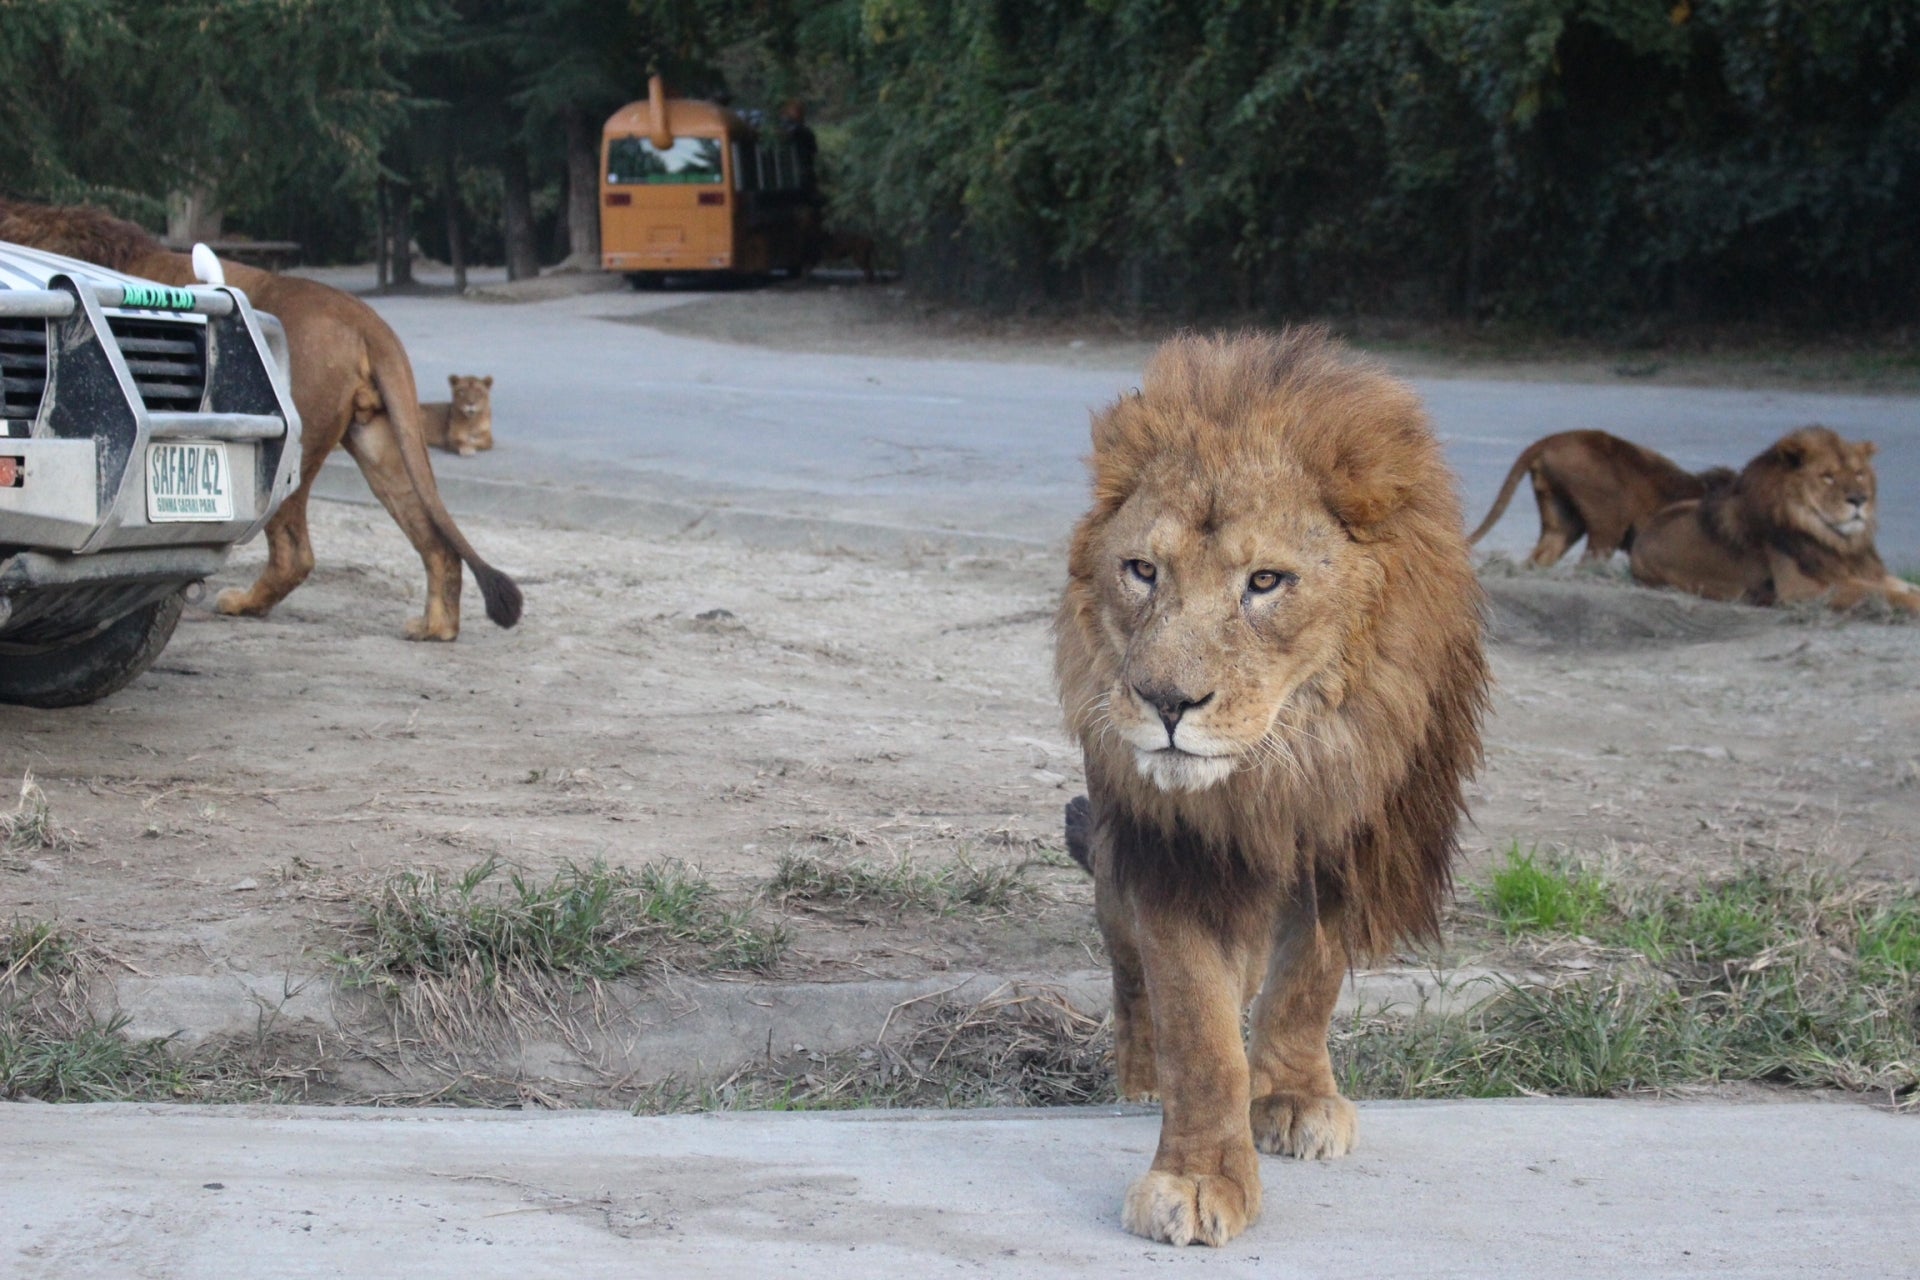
x: 188, y: 482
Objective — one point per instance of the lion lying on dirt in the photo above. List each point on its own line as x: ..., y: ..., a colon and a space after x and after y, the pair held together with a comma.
x: 463, y: 425
x: 1796, y: 524
x: 353, y: 386
x: 1594, y: 484
x: 1270, y: 652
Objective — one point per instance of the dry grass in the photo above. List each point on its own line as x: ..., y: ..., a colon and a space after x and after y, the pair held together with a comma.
x: 899, y: 884
x: 1019, y: 1047
x: 495, y: 949
x: 29, y: 827
x: 56, y: 1047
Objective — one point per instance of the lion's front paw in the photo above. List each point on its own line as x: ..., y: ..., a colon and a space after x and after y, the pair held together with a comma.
x: 1181, y: 1208
x: 1305, y: 1126
x: 236, y: 602
x: 422, y: 629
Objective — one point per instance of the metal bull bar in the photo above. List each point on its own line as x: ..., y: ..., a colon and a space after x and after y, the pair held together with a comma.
x: 58, y: 304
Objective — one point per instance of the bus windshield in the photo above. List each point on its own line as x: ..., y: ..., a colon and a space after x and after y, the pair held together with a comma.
x: 636, y: 160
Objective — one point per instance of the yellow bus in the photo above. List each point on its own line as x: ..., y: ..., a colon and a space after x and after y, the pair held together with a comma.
x: 691, y: 188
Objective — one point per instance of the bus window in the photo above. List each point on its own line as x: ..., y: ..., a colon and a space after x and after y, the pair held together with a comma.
x: 688, y: 160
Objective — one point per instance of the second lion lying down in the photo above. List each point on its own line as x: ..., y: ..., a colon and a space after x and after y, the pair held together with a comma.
x: 1796, y: 525
x: 1270, y: 652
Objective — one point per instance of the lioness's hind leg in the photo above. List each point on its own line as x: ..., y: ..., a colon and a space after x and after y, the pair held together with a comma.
x: 1606, y: 533
x: 374, y: 447
x: 1296, y: 1108
x: 1560, y: 524
x: 289, y: 561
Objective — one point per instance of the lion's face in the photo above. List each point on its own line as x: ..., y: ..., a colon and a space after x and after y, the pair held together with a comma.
x: 1827, y: 487
x: 470, y: 422
x: 1227, y: 597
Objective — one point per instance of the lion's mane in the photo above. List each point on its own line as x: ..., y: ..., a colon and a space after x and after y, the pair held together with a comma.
x: 1357, y: 794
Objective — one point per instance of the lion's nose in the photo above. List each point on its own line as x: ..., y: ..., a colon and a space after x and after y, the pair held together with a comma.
x: 1171, y: 703
x: 1859, y: 501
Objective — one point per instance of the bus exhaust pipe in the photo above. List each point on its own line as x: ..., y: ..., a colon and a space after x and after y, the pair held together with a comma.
x: 660, y: 129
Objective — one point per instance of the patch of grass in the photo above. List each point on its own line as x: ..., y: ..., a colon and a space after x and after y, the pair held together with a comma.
x: 91, y: 1062
x: 1889, y: 943
x: 68, y: 1055
x: 1528, y: 897
x: 1732, y: 921
x: 1792, y: 980
x: 35, y: 949
x: 56, y: 1048
x: 29, y: 826
x: 1611, y: 1035
x: 582, y: 923
x: 1015, y: 1048
x: 901, y: 885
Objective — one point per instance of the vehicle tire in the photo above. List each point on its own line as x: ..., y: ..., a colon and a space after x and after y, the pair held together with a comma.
x: 90, y: 669
x: 646, y: 281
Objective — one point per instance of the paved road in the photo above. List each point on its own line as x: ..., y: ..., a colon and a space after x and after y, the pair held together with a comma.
x: 1486, y: 1190
x: 587, y: 399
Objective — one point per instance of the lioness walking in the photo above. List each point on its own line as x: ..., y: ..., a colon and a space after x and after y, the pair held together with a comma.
x: 354, y: 387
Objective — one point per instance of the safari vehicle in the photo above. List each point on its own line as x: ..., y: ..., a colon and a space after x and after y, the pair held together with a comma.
x: 690, y: 188
x: 144, y: 430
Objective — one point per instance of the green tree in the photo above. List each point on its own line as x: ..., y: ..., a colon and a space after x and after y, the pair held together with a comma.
x: 68, y: 128
x: 1569, y: 158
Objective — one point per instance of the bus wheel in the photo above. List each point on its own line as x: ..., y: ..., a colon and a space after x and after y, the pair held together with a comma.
x: 644, y: 280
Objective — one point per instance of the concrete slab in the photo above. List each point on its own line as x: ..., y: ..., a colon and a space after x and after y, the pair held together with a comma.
x: 1470, y: 1189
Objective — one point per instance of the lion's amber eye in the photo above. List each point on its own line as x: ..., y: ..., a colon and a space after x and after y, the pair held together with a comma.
x: 1265, y: 580
x: 1142, y: 570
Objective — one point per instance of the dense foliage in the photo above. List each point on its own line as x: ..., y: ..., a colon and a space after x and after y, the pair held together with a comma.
x: 1571, y: 160
x: 123, y: 101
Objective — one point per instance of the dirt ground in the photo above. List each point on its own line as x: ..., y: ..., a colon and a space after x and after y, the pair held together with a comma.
x: 727, y: 705
x: 724, y: 705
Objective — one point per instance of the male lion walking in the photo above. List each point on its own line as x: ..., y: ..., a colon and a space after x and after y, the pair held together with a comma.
x: 353, y: 385
x: 1270, y: 652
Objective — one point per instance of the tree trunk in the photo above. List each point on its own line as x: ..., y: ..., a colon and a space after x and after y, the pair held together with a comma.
x: 456, y: 239
x: 380, y: 238
x: 1476, y: 256
x: 583, y: 192
x: 193, y: 215
x: 523, y: 253
x: 400, y: 232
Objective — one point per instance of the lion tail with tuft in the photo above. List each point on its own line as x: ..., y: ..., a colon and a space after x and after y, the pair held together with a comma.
x: 1522, y: 464
x: 501, y: 593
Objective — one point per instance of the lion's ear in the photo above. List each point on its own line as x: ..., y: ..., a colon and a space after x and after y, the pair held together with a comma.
x: 487, y: 382
x: 453, y: 380
x: 1790, y: 453
x: 1867, y: 449
x: 1370, y: 481
x: 1362, y: 505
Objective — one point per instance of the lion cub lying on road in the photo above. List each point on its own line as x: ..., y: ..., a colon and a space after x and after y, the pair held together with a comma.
x: 1797, y: 524
x: 1270, y: 653
x: 464, y: 425
x: 1600, y: 486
